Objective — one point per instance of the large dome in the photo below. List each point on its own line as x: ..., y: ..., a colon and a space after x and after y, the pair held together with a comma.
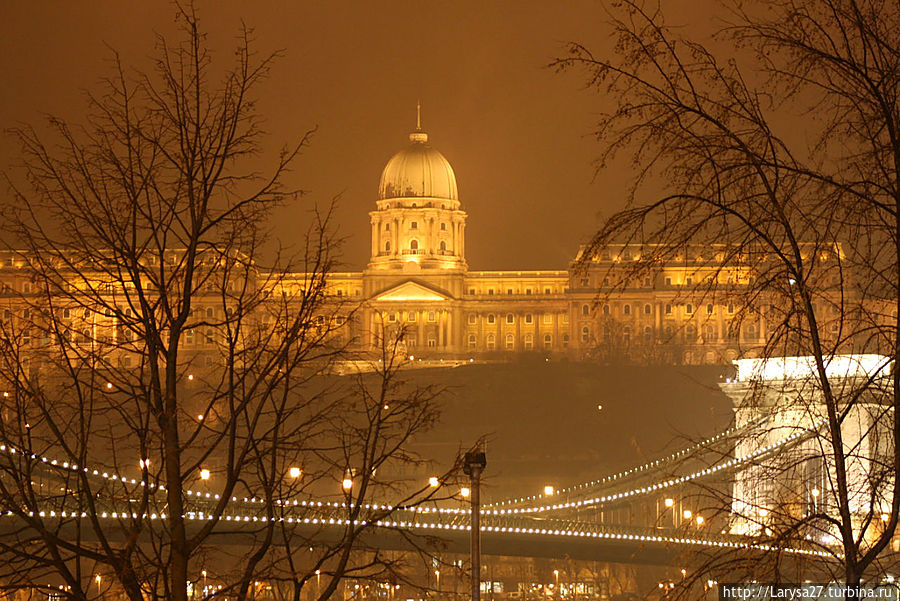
x: 418, y: 171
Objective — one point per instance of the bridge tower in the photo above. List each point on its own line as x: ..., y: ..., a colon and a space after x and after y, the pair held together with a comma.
x: 779, y: 404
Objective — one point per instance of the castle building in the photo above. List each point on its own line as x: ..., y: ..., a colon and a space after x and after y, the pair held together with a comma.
x: 690, y: 307
x: 418, y: 280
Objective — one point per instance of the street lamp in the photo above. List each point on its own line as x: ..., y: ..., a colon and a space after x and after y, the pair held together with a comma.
x: 295, y: 472
x: 203, y: 573
x: 688, y: 514
x: 347, y: 484
x: 548, y: 491
x: 434, y: 482
x: 99, y: 580
x: 556, y: 586
x: 669, y: 502
x: 473, y: 464
x: 465, y: 491
x: 204, y: 474
x: 437, y: 585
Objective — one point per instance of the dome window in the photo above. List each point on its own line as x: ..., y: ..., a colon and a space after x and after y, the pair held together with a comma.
x: 414, y: 205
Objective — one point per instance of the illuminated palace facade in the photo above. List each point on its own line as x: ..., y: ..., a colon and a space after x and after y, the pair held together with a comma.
x: 418, y: 281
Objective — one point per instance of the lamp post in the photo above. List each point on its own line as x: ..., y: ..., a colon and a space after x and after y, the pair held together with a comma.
x: 473, y: 465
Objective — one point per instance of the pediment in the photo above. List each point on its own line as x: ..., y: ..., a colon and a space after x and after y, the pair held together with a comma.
x: 411, y: 291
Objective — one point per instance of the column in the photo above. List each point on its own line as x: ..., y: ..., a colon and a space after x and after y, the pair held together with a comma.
x: 450, y: 336
x: 375, y: 241
x: 440, y: 328
x: 420, y: 329
x: 459, y: 246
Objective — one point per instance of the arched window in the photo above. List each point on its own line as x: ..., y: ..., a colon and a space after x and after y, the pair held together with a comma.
x: 414, y: 244
x: 443, y: 227
x: 387, y: 227
x: 529, y: 341
x: 626, y: 335
x: 648, y: 333
x: 710, y: 333
x: 689, y: 308
x: 606, y: 309
x: 210, y: 313
x: 387, y: 246
x: 472, y: 341
x: 413, y: 224
x: 491, y: 318
x: 627, y: 309
x: 510, y: 342
x: 510, y: 318
x: 710, y: 309
x: 491, y: 342
x: 565, y: 341
x: 443, y: 246
x: 585, y: 334
x: 668, y: 309
x: 585, y: 310
x: 648, y: 309
x: 548, y: 340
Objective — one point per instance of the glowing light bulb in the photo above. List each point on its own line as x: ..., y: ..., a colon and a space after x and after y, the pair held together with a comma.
x: 464, y: 491
x: 433, y: 481
x: 295, y: 472
x: 204, y: 474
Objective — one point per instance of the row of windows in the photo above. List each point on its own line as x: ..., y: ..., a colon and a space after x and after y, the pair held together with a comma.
x: 710, y: 333
x: 668, y: 309
x: 414, y: 245
x: 414, y: 225
x: 510, y: 318
x: 668, y: 281
x: 528, y: 291
x: 510, y: 341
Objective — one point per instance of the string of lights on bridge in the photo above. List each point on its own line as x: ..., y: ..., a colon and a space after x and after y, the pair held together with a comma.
x: 663, y: 484
x: 667, y: 483
x: 638, y: 469
x: 554, y: 532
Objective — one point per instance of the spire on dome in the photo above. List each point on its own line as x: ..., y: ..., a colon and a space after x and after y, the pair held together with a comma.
x: 418, y: 136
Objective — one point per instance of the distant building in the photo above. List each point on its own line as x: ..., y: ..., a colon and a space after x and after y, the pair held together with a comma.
x: 418, y: 280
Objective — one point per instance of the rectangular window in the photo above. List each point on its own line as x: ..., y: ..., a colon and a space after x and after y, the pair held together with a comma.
x: 546, y: 291
x: 548, y: 318
x: 431, y: 316
x: 411, y: 317
x: 529, y: 318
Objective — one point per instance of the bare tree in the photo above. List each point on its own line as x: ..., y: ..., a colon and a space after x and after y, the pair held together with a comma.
x: 163, y: 405
x: 804, y: 237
